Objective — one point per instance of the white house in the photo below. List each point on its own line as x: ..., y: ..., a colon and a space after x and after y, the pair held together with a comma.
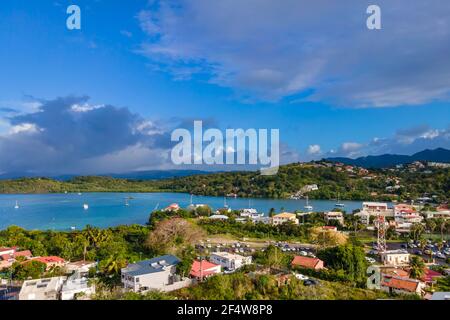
x: 153, y: 274
x: 42, y: 289
x: 230, y: 261
x: 334, y: 216
x: 284, y: 217
x: 75, y: 286
x: 395, y: 257
x: 370, y: 209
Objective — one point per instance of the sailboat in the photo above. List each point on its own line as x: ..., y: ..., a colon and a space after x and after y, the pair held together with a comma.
x: 339, y: 204
x: 126, y: 202
x: 308, y: 207
x: 85, y: 206
x: 17, y: 205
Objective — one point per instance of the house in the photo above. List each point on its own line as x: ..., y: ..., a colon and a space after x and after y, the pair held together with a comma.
x: 81, y: 266
x: 174, y: 207
x: 395, y: 257
x: 153, y: 274
x: 405, y: 216
x: 399, y: 285
x: 42, y: 289
x: 230, y: 261
x: 6, y: 250
x: 284, y: 217
x: 334, y: 216
x: 430, y: 276
x: 74, y: 287
x: 370, y: 209
x: 248, y: 212
x: 50, y: 261
x: 374, y: 206
x: 10, y: 255
x: 441, y: 296
x: 307, y: 263
x: 330, y: 228
x: 218, y: 217
x: 203, y: 269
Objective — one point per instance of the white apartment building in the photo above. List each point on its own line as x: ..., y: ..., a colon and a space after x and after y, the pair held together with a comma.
x: 230, y: 261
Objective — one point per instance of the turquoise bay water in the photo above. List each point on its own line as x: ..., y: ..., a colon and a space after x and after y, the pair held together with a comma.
x: 63, y: 211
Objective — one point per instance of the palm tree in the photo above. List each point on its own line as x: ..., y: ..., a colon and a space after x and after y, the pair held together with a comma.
x: 417, y: 266
x: 113, y: 265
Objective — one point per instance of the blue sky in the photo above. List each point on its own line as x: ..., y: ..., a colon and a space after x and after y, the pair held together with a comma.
x: 313, y: 70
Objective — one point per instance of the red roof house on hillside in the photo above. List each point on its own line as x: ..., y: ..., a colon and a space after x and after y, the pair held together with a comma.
x: 307, y: 262
x: 204, y: 269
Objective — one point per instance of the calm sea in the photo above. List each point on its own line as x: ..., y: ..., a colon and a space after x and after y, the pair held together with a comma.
x: 64, y: 211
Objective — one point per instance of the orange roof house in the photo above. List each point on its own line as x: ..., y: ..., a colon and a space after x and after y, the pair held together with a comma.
x: 204, y: 269
x: 395, y: 284
x: 50, y: 261
x: 307, y: 262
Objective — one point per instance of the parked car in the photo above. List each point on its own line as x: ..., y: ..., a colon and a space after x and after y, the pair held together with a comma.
x: 303, y: 253
x: 440, y: 255
x: 300, y: 276
x: 310, y: 282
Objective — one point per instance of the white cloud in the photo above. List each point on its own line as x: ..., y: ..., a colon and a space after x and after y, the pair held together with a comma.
x: 314, y: 149
x: 323, y: 48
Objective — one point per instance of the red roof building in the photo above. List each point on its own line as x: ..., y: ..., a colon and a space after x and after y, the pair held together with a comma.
x: 204, y: 269
x: 307, y: 262
x: 50, y: 261
x: 430, y: 276
x: 394, y: 284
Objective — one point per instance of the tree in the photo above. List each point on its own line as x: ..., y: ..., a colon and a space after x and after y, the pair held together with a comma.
x: 348, y: 260
x: 417, y: 266
x: 271, y: 212
x: 272, y: 257
x: 173, y: 235
x: 113, y: 265
x: 327, y: 238
x: 31, y: 269
x: 416, y: 231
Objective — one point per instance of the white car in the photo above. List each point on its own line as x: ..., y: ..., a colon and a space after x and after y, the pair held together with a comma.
x: 300, y: 276
x: 370, y: 260
x: 303, y: 253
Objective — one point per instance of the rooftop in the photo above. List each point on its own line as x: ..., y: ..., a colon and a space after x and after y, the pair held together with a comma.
x: 400, y: 283
x: 150, y: 266
x: 306, y: 262
x: 228, y: 255
x: 285, y: 215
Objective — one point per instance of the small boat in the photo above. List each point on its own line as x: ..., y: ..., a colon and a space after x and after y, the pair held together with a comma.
x: 79, y: 193
x: 17, y: 205
x: 126, y: 202
x: 339, y: 204
x: 72, y: 228
x: 85, y: 206
x: 308, y: 207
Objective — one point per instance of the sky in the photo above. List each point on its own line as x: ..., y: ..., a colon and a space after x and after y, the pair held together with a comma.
x: 105, y: 98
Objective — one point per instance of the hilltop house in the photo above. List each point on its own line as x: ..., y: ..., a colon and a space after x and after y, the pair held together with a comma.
x: 334, y: 216
x: 153, y: 274
x: 395, y: 257
x: 203, y: 269
x: 9, y: 255
x: 230, y: 261
x: 399, y: 285
x: 370, y: 209
x: 307, y: 263
x: 50, y: 261
x: 405, y: 215
x: 284, y: 217
x: 42, y: 289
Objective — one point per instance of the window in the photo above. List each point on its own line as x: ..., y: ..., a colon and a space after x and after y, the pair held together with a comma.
x: 136, y: 279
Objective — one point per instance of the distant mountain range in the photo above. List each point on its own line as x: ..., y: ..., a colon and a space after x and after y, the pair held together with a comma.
x: 390, y: 160
x: 136, y: 175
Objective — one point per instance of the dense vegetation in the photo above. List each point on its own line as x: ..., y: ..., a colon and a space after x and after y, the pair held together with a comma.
x: 289, y: 180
